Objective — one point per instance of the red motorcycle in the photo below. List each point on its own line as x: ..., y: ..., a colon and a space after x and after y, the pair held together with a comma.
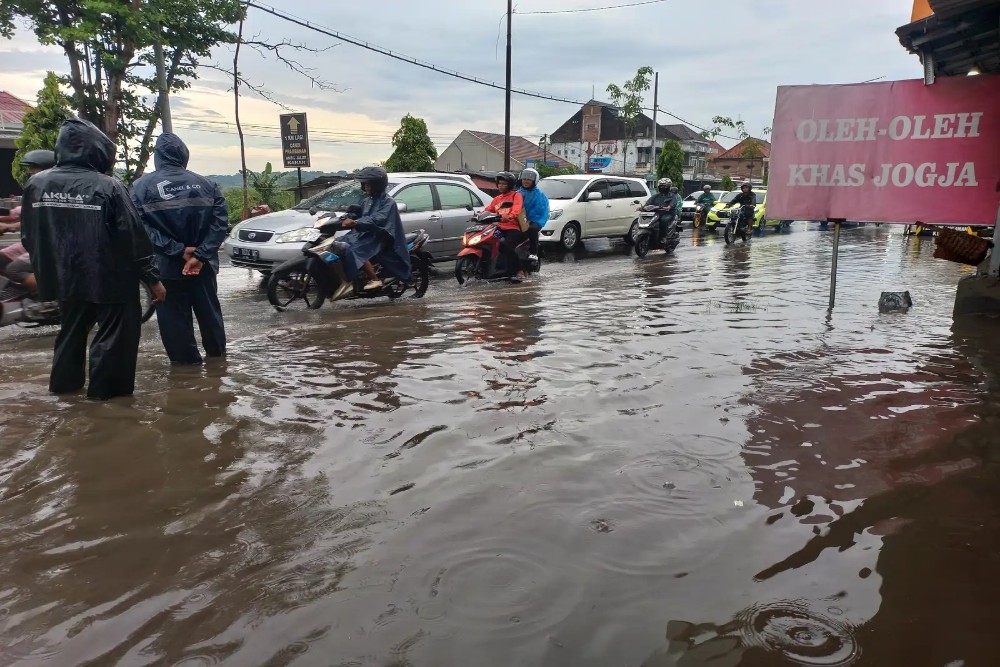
x: 481, y: 257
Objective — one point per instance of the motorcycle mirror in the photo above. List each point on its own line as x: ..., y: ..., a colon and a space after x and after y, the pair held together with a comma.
x: 354, y: 209
x: 313, y: 211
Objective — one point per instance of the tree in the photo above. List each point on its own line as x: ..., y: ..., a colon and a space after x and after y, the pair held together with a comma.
x: 727, y: 183
x: 264, y: 185
x: 41, y: 124
x: 671, y: 163
x: 628, y: 100
x: 108, y: 46
x: 753, y: 149
x: 412, y: 147
x: 546, y: 170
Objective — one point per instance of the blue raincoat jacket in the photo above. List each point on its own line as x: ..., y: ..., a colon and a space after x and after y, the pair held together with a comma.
x: 179, y: 209
x: 536, y: 205
x: 378, y: 235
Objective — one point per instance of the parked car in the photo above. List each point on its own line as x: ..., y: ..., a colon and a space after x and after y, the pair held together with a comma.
x: 689, y: 204
x: 586, y: 206
x: 441, y: 206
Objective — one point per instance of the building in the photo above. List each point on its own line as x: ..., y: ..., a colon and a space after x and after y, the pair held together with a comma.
x: 474, y: 151
x: 737, y: 165
x: 594, y: 139
x: 12, y: 110
x: 954, y: 37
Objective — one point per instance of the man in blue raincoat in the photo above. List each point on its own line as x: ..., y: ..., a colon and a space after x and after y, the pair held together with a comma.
x: 186, y: 217
x: 377, y: 234
x: 536, y: 206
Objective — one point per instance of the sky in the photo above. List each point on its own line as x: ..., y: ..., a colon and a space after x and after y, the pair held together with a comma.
x: 721, y: 58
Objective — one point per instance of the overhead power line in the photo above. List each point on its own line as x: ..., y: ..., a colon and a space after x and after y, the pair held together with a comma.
x: 291, y: 18
x: 590, y: 9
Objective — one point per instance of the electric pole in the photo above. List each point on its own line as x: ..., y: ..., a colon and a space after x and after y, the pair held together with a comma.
x: 163, y: 98
x: 652, y: 148
x: 506, y: 127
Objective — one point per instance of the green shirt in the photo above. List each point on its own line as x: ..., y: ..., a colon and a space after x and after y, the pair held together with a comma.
x: 706, y: 199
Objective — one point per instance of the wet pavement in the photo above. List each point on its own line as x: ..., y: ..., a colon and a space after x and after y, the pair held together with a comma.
x: 672, y: 461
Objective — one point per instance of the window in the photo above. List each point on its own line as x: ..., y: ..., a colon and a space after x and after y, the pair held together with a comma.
x: 599, y: 186
x: 454, y: 196
x: 557, y: 188
x: 337, y: 198
x: 635, y: 189
x: 618, y: 190
x: 418, y: 198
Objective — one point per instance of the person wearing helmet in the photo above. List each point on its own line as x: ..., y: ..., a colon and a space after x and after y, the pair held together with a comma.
x: 747, y: 201
x: 376, y: 234
x: 665, y: 198
x: 706, y: 200
x: 678, y: 202
x: 509, y: 204
x: 15, y: 263
x: 33, y: 162
x: 536, y: 207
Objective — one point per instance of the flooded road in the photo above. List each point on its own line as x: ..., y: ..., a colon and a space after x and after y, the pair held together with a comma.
x: 675, y: 461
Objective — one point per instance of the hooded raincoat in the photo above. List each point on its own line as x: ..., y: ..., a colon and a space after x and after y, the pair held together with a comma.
x: 378, y: 234
x: 80, y: 227
x: 180, y: 209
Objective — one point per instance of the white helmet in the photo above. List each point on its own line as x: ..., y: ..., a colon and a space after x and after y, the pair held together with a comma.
x: 530, y: 174
x: 664, y: 185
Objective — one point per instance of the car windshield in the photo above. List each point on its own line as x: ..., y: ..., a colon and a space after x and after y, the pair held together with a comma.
x: 559, y: 188
x: 730, y: 196
x: 337, y: 198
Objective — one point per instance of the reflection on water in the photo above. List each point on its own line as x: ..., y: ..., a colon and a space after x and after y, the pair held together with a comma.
x: 670, y: 461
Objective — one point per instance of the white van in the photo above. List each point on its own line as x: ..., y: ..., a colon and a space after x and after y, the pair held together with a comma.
x: 587, y: 206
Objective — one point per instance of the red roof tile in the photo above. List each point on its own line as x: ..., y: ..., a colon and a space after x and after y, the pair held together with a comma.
x: 12, y: 109
x: 521, y: 150
x: 736, y: 152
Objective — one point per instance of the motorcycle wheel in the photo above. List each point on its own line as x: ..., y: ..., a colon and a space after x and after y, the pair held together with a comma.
x: 466, y: 269
x: 730, y: 233
x: 420, y: 277
x: 697, y: 220
x: 642, y: 245
x: 146, y: 299
x: 287, y: 286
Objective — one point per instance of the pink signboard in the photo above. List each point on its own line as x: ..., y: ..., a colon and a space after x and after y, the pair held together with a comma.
x: 898, y: 151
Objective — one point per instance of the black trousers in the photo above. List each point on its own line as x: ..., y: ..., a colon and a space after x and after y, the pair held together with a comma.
x: 197, y: 295
x: 113, y: 352
x: 512, y: 239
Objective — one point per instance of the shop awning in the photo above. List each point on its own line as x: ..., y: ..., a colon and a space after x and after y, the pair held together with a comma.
x: 960, y: 36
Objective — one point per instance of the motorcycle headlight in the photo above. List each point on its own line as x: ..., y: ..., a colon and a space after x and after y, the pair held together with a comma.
x: 475, y: 239
x: 556, y: 214
x: 304, y: 235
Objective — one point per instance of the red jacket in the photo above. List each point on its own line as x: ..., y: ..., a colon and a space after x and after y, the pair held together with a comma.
x: 509, y: 215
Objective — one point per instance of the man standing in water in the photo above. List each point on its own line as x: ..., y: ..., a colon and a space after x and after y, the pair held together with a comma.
x: 89, y: 252
x: 187, y: 220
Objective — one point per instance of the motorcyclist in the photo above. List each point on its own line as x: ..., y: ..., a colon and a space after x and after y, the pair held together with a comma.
x: 377, y: 234
x: 678, y: 202
x: 747, y: 201
x: 536, y: 207
x: 666, y: 199
x: 706, y: 200
x: 509, y: 204
x: 14, y: 260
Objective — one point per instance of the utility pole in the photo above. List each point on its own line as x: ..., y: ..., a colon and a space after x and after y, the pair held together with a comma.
x: 163, y: 98
x: 652, y: 148
x: 506, y: 127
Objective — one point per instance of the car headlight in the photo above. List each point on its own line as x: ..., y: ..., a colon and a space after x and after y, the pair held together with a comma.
x: 304, y: 235
x: 233, y: 231
x: 556, y: 214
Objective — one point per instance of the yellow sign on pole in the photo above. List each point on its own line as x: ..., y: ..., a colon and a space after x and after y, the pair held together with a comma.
x: 921, y: 10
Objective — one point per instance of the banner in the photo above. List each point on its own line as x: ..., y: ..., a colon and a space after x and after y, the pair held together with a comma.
x: 898, y: 151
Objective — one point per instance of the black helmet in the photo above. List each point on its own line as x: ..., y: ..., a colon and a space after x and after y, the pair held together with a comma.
x: 375, y: 177
x: 746, y: 184
x: 509, y: 178
x: 39, y: 159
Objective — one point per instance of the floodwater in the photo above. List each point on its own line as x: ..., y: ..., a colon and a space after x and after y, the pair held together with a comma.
x: 673, y: 461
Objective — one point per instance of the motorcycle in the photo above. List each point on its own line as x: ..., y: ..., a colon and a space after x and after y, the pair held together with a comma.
x: 648, y: 235
x: 481, y: 257
x: 18, y: 305
x: 738, y: 225
x: 319, y: 274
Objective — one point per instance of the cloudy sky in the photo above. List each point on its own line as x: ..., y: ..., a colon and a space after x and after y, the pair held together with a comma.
x: 721, y: 58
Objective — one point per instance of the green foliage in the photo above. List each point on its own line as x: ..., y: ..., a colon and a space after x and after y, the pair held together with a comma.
x: 108, y: 45
x: 671, y: 163
x: 546, y: 170
x: 412, y: 147
x: 264, y: 185
x: 41, y: 124
x: 628, y: 99
x: 727, y: 183
x: 234, y: 201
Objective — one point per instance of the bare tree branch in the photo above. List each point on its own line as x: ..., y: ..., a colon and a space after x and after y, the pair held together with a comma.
x: 257, y: 89
x: 275, y: 49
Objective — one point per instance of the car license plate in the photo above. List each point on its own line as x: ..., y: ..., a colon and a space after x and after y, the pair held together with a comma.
x: 246, y: 253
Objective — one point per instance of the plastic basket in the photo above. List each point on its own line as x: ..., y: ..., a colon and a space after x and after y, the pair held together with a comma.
x: 961, y: 247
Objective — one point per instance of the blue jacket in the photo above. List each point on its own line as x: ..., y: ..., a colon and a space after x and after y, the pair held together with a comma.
x: 378, y: 234
x: 180, y: 209
x: 536, y: 205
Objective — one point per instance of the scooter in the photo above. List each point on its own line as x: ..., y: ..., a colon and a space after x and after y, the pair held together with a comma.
x: 18, y: 305
x: 739, y: 222
x: 481, y: 257
x: 648, y: 236
x: 319, y: 274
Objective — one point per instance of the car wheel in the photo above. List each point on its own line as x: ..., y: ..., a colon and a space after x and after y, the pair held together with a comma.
x: 630, y: 237
x: 297, y: 283
x: 570, y: 237
x: 466, y: 269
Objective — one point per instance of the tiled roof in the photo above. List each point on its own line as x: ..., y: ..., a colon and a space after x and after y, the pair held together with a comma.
x: 735, y: 153
x: 12, y: 109
x: 521, y: 150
